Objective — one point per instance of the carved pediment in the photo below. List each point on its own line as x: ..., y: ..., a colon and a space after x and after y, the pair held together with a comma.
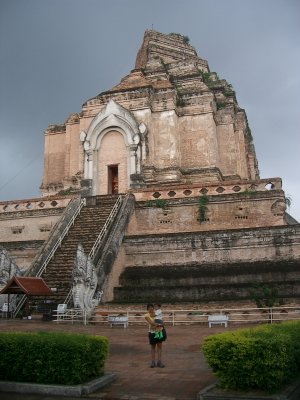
x: 115, y: 117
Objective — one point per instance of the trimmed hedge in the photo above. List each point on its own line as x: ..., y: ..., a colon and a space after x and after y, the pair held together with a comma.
x: 52, y: 358
x: 265, y: 357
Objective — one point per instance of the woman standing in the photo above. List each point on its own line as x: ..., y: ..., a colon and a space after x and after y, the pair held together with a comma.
x: 154, y: 339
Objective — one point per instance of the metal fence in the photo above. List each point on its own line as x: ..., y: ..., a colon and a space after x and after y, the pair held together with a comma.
x: 188, y: 316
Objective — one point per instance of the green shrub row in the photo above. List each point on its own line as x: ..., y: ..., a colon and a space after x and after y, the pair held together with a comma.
x: 52, y: 358
x: 265, y: 357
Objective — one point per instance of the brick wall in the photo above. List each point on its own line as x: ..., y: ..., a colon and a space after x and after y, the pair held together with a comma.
x: 269, y: 244
x: 54, y: 158
x: 222, y: 212
x: 26, y: 224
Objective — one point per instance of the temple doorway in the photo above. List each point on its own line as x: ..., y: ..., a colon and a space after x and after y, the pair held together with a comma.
x: 112, y: 165
x: 113, y: 179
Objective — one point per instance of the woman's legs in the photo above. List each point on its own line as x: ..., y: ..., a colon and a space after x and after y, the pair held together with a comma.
x: 152, y: 365
x: 159, y: 352
x: 157, y: 347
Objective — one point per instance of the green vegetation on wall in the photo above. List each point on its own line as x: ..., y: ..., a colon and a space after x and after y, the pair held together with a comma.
x: 202, y: 202
x: 265, y: 296
x: 220, y: 105
x: 158, y: 203
x: 179, y: 101
x: 229, y: 91
x: 206, y: 77
x: 185, y: 38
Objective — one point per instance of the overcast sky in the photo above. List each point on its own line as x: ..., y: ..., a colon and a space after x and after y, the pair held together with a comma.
x: 55, y: 54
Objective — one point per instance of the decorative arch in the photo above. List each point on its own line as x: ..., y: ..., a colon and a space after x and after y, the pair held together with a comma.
x: 112, y: 117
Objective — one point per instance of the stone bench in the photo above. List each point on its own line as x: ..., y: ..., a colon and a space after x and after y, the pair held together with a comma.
x: 215, y: 319
x: 118, y: 320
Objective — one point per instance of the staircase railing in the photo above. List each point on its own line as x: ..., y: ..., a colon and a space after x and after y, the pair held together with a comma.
x: 101, y: 236
x: 61, y: 237
x: 106, y: 226
x: 19, y: 305
x: 53, y: 250
x: 69, y: 295
x: 72, y: 315
x: 110, y: 248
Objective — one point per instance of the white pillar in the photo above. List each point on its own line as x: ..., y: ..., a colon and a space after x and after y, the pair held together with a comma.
x: 133, y: 160
x: 94, y: 171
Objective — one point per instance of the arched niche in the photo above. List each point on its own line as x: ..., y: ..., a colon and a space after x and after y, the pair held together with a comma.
x: 111, y: 119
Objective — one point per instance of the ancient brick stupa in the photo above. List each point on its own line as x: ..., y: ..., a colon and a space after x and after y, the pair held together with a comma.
x: 169, y: 124
x: 170, y: 121
x: 173, y: 135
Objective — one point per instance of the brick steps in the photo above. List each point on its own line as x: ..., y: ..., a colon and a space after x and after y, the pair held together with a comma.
x: 85, y: 231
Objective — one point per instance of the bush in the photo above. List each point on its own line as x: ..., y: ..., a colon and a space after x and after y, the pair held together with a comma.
x: 291, y: 328
x: 52, y: 358
x: 263, y: 358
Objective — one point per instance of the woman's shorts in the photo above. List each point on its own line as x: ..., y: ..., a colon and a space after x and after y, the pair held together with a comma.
x: 153, y: 340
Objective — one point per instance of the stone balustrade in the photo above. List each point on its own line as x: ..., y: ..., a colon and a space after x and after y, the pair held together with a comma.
x: 41, y: 203
x: 209, y: 189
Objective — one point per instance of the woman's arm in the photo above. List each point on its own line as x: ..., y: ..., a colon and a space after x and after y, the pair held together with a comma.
x: 150, y: 321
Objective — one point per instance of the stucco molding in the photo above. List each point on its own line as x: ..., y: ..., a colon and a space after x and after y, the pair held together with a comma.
x: 113, y: 117
x: 116, y: 117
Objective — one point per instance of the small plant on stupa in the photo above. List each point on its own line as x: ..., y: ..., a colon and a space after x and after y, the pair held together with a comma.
x: 158, y: 203
x: 185, y: 38
x: 203, y: 200
x: 265, y: 296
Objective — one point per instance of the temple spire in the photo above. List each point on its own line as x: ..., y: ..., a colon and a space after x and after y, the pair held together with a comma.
x: 169, y: 48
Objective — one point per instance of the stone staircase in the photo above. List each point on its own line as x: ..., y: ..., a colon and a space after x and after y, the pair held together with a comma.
x: 85, y: 230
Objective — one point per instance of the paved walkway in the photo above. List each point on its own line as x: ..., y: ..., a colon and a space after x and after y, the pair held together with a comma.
x: 185, y: 374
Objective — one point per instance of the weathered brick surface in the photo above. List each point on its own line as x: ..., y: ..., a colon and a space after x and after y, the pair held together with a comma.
x: 26, y: 224
x: 210, y: 266
x: 221, y: 212
x: 193, y: 123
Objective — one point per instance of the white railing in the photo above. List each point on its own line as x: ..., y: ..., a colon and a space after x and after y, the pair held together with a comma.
x: 61, y: 237
x: 19, y: 305
x: 101, y: 236
x: 69, y: 295
x: 106, y: 226
x: 238, y: 316
x: 53, y: 250
x: 71, y: 315
x: 188, y: 316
